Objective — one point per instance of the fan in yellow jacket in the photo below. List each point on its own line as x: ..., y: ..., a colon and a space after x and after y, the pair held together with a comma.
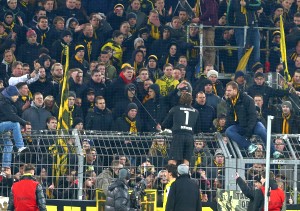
x: 171, y: 177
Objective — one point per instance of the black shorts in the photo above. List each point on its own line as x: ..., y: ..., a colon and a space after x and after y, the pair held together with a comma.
x: 182, y: 147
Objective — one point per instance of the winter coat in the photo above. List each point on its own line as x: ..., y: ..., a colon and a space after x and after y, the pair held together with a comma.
x: 8, y: 112
x: 118, y: 198
x: 104, y: 180
x: 37, y: 116
x: 206, y: 114
x: 99, y: 120
x: 245, y: 111
x: 184, y: 195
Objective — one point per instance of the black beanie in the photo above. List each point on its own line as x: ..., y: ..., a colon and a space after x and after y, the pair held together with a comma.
x: 155, y: 88
x: 76, y: 121
x: 66, y: 33
x: 131, y: 106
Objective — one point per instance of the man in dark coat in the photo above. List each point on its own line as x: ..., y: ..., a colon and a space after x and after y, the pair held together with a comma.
x: 286, y: 122
x: 260, y: 88
x: 129, y: 122
x: 241, y: 120
x: 101, y: 118
x: 184, y: 193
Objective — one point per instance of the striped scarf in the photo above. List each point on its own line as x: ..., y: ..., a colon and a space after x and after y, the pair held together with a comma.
x: 133, y: 128
x: 285, y: 124
x: 233, y: 101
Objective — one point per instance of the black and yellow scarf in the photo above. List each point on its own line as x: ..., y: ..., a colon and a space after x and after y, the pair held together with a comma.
x: 215, y: 89
x: 154, y: 33
x: 133, y: 128
x: 89, y: 49
x: 198, y: 161
x: 78, y: 59
x: 162, y: 149
x: 219, y: 165
x: 233, y: 101
x: 71, y: 109
x: 285, y: 124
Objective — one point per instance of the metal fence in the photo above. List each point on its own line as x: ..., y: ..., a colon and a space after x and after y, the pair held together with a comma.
x: 145, y: 155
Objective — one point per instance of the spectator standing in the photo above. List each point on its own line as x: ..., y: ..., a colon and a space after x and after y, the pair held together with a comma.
x: 171, y: 178
x: 27, y: 193
x: 167, y: 83
x: 36, y: 114
x: 184, y: 193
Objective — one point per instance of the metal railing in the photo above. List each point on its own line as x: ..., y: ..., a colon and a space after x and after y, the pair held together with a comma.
x: 143, y: 154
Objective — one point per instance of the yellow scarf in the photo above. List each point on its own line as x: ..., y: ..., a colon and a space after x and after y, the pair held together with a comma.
x: 78, y: 59
x: 43, y: 37
x: 198, y: 161
x: 89, y: 49
x: 133, y: 128
x: 215, y: 89
x: 218, y: 164
x: 233, y: 101
x: 162, y: 149
x: 71, y: 109
x: 154, y: 33
x: 285, y: 124
x: 243, y: 9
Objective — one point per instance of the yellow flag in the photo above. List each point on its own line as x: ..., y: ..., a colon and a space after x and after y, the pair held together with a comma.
x: 287, y: 76
x: 244, y: 60
x: 60, y: 148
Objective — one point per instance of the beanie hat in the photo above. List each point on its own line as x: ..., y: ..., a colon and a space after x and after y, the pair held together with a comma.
x: 239, y: 74
x: 206, y: 81
x: 10, y: 91
x: 212, y: 72
x: 76, y: 121
x: 124, y: 174
x: 119, y: 5
x: 131, y: 106
x: 79, y: 48
x: 131, y: 15
x: 9, y: 12
x: 129, y: 87
x: 219, y: 152
x: 187, y: 88
x: 143, y: 30
x: 65, y: 33
x: 287, y: 104
x: 153, y: 57
x: 72, y: 94
x: 256, y: 66
x: 183, y: 169
x: 125, y: 65
x: 155, y: 88
x: 257, y: 178
x: 277, y: 6
x: 136, y: 40
x: 259, y: 74
x: 30, y: 33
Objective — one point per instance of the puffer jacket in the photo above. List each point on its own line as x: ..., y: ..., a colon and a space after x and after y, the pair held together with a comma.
x: 118, y: 198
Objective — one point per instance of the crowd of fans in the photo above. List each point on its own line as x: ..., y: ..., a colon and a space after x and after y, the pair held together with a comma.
x: 129, y: 62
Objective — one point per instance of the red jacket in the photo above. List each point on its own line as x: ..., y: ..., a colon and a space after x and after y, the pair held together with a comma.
x: 277, y: 198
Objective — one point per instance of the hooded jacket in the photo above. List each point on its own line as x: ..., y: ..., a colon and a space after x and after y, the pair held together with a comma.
x: 8, y: 112
x: 118, y: 197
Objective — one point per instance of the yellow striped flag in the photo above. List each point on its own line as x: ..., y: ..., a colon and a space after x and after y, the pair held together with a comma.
x: 287, y: 76
x: 60, y: 150
x: 244, y: 60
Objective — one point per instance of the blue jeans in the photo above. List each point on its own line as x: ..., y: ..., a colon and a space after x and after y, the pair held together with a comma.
x: 252, y: 39
x: 8, y: 145
x: 236, y: 133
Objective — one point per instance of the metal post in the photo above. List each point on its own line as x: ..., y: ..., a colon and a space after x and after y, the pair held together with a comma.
x: 268, y: 155
x: 245, y: 36
x: 80, y: 162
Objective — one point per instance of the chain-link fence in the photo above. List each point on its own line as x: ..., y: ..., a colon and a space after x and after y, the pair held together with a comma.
x: 93, y: 158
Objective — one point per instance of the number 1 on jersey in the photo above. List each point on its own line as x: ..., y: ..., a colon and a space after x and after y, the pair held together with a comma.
x: 187, y: 116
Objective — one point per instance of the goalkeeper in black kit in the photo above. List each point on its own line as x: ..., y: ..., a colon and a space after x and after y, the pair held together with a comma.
x: 183, y: 121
